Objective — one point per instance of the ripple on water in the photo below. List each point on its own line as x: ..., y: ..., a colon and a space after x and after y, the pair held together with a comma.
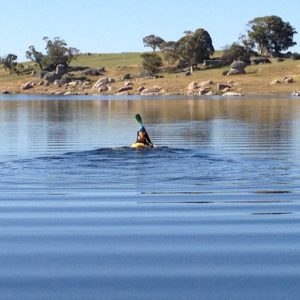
x: 215, y: 215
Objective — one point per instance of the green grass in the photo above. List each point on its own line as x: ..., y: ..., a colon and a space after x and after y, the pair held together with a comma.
x: 218, y: 53
x: 114, y: 60
x: 108, y: 60
x: 5, y: 76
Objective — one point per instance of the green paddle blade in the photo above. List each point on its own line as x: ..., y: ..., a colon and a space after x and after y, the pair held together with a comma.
x: 139, y: 118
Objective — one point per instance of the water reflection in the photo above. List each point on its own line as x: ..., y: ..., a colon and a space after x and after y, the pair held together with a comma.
x: 263, y: 110
x: 107, y: 123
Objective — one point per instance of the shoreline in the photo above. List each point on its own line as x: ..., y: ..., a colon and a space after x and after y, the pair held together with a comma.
x: 278, y: 78
x: 132, y: 96
x: 155, y: 91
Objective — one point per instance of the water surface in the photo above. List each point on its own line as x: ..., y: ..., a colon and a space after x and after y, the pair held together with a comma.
x: 212, y: 213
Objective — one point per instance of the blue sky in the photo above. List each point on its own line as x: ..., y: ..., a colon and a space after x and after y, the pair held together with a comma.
x: 120, y: 25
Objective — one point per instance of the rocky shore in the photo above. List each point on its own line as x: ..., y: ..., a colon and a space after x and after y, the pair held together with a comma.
x: 238, y: 80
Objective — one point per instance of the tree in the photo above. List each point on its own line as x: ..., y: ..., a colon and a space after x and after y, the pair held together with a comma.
x: 195, y: 47
x: 170, y: 51
x: 152, y: 41
x: 235, y: 52
x: 187, y: 49
x: 204, y: 46
x: 248, y: 44
x: 151, y: 63
x: 271, y: 34
x: 58, y: 52
x: 36, y: 57
x: 9, y: 62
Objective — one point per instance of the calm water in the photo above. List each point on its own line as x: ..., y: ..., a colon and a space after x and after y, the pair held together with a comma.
x: 212, y: 213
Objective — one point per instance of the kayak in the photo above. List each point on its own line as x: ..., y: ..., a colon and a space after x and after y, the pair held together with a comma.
x: 139, y: 146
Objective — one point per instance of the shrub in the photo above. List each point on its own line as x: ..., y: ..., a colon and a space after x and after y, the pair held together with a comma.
x: 235, y: 52
x: 151, y: 63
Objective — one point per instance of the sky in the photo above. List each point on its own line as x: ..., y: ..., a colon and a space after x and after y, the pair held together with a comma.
x: 105, y: 26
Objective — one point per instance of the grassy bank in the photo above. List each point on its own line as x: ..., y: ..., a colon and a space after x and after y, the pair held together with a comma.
x: 257, y: 79
x: 109, y: 60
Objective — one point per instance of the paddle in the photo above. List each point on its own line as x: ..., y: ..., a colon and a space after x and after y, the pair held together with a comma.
x: 139, y: 119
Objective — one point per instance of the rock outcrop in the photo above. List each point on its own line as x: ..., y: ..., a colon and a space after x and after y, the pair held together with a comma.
x: 140, y: 88
x: 285, y: 79
x: 27, y: 86
x: 61, y: 70
x: 238, y: 65
x: 222, y: 86
x: 152, y: 91
x: 296, y: 94
x: 101, y: 81
x: 288, y: 79
x: 205, y: 83
x: 40, y: 74
x: 192, y: 86
x: 126, y: 77
x: 199, y: 88
x: 237, y: 68
x: 236, y: 72
x: 128, y: 83
x: 51, y: 76
x: 276, y: 81
x: 124, y: 93
x: 92, y: 72
x: 259, y: 60
x: 124, y: 89
x: 103, y: 88
x: 204, y: 91
x: 232, y: 94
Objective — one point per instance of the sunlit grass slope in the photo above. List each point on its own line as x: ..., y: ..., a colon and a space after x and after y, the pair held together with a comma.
x: 257, y: 79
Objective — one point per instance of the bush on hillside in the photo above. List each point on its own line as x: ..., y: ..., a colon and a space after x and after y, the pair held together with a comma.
x: 10, y: 62
x: 235, y: 52
x: 151, y: 63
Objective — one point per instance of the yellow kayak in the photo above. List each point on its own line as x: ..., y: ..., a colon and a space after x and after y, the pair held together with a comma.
x: 139, y: 146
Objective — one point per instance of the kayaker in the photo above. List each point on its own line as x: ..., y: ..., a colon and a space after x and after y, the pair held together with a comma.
x: 143, y: 137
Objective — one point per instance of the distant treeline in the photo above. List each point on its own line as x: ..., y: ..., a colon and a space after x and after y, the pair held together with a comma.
x: 269, y: 36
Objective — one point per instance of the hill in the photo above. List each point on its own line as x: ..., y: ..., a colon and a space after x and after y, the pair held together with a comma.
x: 257, y: 79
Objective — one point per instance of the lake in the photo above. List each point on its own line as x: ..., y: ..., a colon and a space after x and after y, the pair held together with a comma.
x: 211, y: 213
